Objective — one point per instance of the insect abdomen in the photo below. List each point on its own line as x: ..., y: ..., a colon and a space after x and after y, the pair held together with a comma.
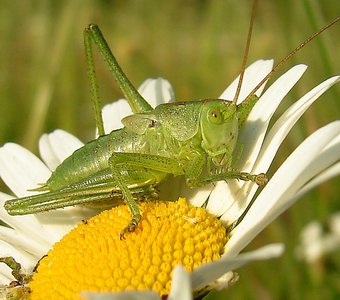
x: 91, y: 158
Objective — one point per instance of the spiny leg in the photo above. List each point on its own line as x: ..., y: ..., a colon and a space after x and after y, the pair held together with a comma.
x: 260, y: 179
x: 92, y: 34
x: 17, y: 271
x: 123, y: 162
x: 195, y: 165
x: 128, y: 198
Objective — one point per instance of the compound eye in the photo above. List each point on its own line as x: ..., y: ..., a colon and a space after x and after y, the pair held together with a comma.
x: 215, y: 116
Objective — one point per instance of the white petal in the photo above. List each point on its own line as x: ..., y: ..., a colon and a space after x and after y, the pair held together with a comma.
x: 175, y: 187
x: 316, y: 242
x: 113, y: 113
x: 310, y: 248
x: 181, y: 285
x: 157, y: 91
x: 147, y: 295
x: 283, y: 125
x: 302, y: 165
x: 26, y: 260
x: 251, y: 139
x: 197, y: 196
x: 322, y: 177
x: 59, y: 222
x: 48, y: 227
x: 5, y: 278
x: 325, y: 159
x: 252, y: 76
x: 21, y: 170
x: 273, y: 141
x: 332, y: 171
x: 218, y: 203
x: 224, y: 282
x: 22, y: 241
x: 252, y: 134
x: 56, y: 146
x: 205, y: 274
x: 27, y: 226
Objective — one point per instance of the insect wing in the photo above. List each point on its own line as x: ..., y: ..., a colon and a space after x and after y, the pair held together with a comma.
x: 139, y: 123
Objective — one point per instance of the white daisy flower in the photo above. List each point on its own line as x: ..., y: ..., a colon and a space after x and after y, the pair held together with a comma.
x: 316, y: 242
x: 314, y: 161
x: 31, y: 236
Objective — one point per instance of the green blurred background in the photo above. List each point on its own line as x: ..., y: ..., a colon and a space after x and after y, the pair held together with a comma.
x: 198, y: 46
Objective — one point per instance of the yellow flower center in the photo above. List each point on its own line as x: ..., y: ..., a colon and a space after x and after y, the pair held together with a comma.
x: 91, y: 257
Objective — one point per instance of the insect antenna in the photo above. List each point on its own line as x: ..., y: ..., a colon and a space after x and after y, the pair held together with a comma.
x: 290, y: 55
x: 246, y: 52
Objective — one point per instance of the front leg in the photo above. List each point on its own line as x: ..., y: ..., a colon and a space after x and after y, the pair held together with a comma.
x: 194, y: 178
x: 119, y: 162
x: 259, y: 179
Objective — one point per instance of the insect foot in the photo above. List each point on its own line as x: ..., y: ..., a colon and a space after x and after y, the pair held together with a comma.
x: 17, y: 289
x: 131, y: 226
x: 260, y: 179
x: 194, y: 182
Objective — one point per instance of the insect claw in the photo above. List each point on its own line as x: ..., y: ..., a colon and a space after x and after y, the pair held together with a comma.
x: 261, y: 179
x: 18, y: 273
x: 121, y: 235
x: 130, y: 227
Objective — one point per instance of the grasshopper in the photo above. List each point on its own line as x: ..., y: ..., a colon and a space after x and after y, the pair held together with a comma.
x: 194, y: 139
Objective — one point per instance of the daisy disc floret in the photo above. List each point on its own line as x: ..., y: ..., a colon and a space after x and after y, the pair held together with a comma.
x: 93, y: 258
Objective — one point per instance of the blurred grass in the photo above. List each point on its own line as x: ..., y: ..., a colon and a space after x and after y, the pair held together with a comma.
x: 197, y: 46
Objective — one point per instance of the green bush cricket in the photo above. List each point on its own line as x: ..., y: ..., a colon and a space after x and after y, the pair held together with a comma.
x: 195, y: 139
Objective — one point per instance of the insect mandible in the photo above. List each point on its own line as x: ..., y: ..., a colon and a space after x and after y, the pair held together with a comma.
x: 194, y: 139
